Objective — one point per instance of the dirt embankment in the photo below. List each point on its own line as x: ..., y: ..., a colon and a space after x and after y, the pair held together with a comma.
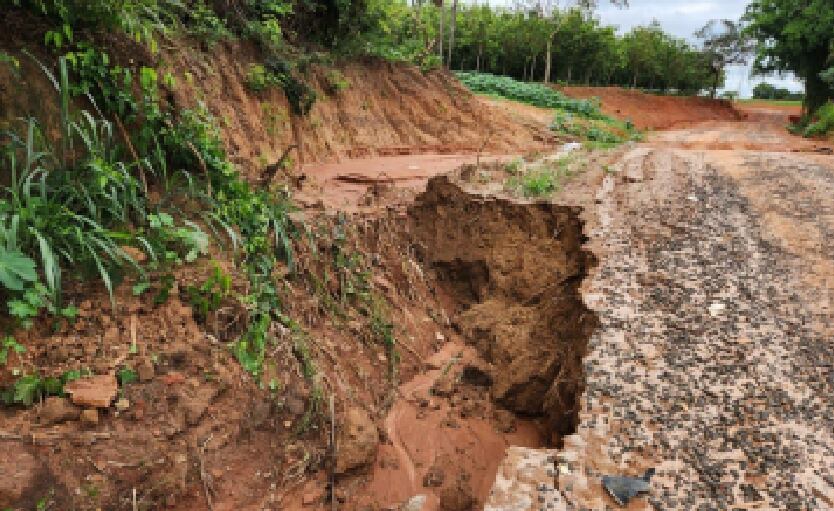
x: 649, y: 111
x: 514, y: 270
x: 383, y: 110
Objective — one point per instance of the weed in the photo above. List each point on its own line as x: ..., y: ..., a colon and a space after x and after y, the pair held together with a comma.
x: 539, y: 183
x: 9, y: 345
x: 824, y: 123
x: 166, y: 283
x: 382, y: 330
x: 204, y: 24
x: 258, y: 79
x: 335, y: 81
x: 126, y: 376
x: 206, y: 298
x: 514, y: 167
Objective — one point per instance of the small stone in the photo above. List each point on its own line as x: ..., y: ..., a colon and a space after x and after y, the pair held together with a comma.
x: 122, y: 404
x: 56, y: 410
x: 89, y: 417
x: 145, y: 369
x: 439, y: 337
x: 310, y: 497
x: 415, y: 503
x: 357, y: 442
x: 93, y: 391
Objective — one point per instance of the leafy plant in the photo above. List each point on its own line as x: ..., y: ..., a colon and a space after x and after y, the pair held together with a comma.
x: 9, y: 345
x: 535, y: 94
x: 335, y: 81
x: 126, y: 376
x: 208, y: 296
x: 823, y: 123
x: 16, y: 269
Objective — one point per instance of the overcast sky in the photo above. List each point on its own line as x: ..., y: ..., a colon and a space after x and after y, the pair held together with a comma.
x: 683, y: 18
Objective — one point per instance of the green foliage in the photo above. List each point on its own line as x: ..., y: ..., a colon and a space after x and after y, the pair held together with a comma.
x: 538, y: 182
x: 823, y: 123
x: 765, y: 90
x: 207, y: 297
x: 258, y: 79
x: 795, y: 36
x: 531, y: 93
x: 28, y: 389
x: 16, y: 269
x: 126, y: 376
x: 204, y: 24
x: 580, y: 118
x: 335, y: 81
x: 278, y: 72
x: 9, y: 345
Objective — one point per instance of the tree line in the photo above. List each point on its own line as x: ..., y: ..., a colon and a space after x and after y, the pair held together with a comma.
x: 549, y: 45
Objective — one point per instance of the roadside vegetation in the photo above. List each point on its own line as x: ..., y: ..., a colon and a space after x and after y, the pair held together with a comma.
x: 774, y: 24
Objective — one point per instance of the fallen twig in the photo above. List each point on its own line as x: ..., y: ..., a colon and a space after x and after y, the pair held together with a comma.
x: 204, y: 477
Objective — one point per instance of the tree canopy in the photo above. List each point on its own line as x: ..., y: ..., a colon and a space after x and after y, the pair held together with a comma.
x: 795, y: 36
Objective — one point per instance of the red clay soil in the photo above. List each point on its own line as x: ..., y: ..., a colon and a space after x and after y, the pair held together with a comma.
x: 648, y: 111
x: 767, y: 112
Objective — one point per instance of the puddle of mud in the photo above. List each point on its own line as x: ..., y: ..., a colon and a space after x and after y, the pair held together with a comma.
x: 438, y: 443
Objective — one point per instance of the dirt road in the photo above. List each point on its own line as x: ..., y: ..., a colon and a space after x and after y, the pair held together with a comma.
x: 713, y: 362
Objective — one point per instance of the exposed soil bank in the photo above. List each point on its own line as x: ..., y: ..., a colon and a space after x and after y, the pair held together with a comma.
x: 649, y: 111
x: 514, y: 270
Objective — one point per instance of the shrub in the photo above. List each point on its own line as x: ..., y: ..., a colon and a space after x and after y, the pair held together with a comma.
x: 824, y: 123
x: 335, y: 81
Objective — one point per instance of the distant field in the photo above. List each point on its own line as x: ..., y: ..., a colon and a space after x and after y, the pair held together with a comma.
x: 771, y: 102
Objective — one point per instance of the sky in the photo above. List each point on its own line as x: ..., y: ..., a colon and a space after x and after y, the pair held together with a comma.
x: 683, y: 18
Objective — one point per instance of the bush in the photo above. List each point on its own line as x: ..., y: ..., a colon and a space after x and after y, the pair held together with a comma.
x: 823, y: 123
x: 335, y: 81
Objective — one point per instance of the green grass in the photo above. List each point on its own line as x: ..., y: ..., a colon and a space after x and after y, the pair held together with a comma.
x: 539, y: 180
x: 774, y: 102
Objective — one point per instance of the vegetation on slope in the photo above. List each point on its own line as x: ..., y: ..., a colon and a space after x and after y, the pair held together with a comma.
x: 579, y: 118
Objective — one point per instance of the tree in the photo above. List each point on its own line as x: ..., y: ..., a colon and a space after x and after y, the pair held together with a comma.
x: 724, y: 44
x: 452, y: 26
x: 795, y: 36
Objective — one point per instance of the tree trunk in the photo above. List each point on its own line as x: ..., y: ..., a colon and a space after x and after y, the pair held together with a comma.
x: 817, y: 92
x: 533, y: 69
x: 547, y: 57
x: 478, y: 58
x: 570, y: 73
x: 452, y: 26
x: 439, y: 3
x: 715, y: 84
